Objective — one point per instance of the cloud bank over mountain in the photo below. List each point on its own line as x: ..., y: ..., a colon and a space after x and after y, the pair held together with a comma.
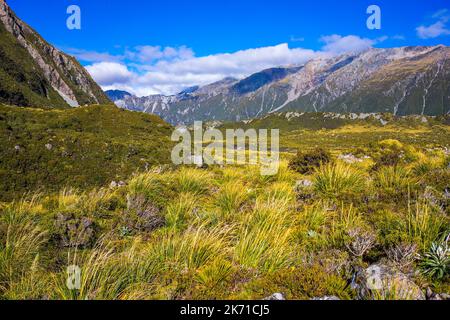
x: 147, y: 70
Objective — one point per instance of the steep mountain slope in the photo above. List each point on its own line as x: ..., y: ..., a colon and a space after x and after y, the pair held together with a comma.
x: 412, y: 80
x: 402, y: 81
x: 34, y: 73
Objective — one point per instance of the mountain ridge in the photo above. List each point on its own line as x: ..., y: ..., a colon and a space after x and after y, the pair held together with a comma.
x: 402, y: 81
x: 35, y: 73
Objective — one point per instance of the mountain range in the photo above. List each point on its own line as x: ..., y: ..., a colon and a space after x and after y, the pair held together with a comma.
x: 401, y: 81
x: 36, y: 74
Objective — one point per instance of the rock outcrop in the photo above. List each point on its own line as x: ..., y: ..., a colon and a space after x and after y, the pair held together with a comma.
x: 43, y: 73
x: 380, y: 281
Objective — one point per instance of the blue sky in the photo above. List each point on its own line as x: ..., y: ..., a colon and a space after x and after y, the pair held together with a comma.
x: 148, y: 46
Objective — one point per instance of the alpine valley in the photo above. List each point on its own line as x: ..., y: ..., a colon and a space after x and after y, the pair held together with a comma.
x: 92, y: 206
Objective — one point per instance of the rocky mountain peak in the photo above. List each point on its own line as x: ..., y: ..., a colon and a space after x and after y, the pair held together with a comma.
x: 59, y: 74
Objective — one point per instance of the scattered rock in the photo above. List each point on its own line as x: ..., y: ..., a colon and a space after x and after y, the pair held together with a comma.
x: 276, y: 296
x: 430, y: 295
x: 49, y: 146
x: 115, y: 184
x: 349, y: 158
x: 382, y: 281
x: 445, y: 296
x: 301, y: 184
x: 328, y: 298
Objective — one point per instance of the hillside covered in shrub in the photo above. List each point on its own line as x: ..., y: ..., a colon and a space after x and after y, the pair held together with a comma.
x: 82, y: 147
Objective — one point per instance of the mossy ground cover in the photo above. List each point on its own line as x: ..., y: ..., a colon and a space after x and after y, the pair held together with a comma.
x: 84, y: 147
x: 222, y: 232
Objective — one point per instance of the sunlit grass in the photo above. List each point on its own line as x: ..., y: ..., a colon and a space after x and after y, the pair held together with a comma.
x: 338, y: 180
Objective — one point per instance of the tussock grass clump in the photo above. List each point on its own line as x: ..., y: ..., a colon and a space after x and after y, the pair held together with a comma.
x: 280, y: 191
x: 426, y: 165
x: 394, y: 182
x: 264, y: 241
x: 192, y: 249
x: 231, y: 197
x: 20, y: 246
x: 192, y: 180
x: 107, y: 273
x: 337, y: 181
x: 232, y: 173
x: 180, y: 212
x: 156, y: 188
x: 424, y: 226
x: 313, y: 226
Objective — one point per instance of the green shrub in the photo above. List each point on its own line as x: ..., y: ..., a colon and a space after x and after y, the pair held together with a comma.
x: 300, y: 283
x: 307, y: 162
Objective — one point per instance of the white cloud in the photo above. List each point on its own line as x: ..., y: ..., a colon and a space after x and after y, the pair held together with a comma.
x: 338, y: 44
x: 240, y: 63
x: 297, y: 39
x: 148, y: 54
x: 147, y: 70
x: 110, y: 73
x: 437, y: 29
x: 443, y: 13
x: 399, y: 37
x: 93, y: 56
x: 170, y: 71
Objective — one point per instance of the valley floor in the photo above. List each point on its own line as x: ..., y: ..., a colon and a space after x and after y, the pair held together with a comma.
x: 365, y: 218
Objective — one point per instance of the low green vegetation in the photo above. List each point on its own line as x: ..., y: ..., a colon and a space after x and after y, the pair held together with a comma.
x: 48, y: 150
x: 221, y: 232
